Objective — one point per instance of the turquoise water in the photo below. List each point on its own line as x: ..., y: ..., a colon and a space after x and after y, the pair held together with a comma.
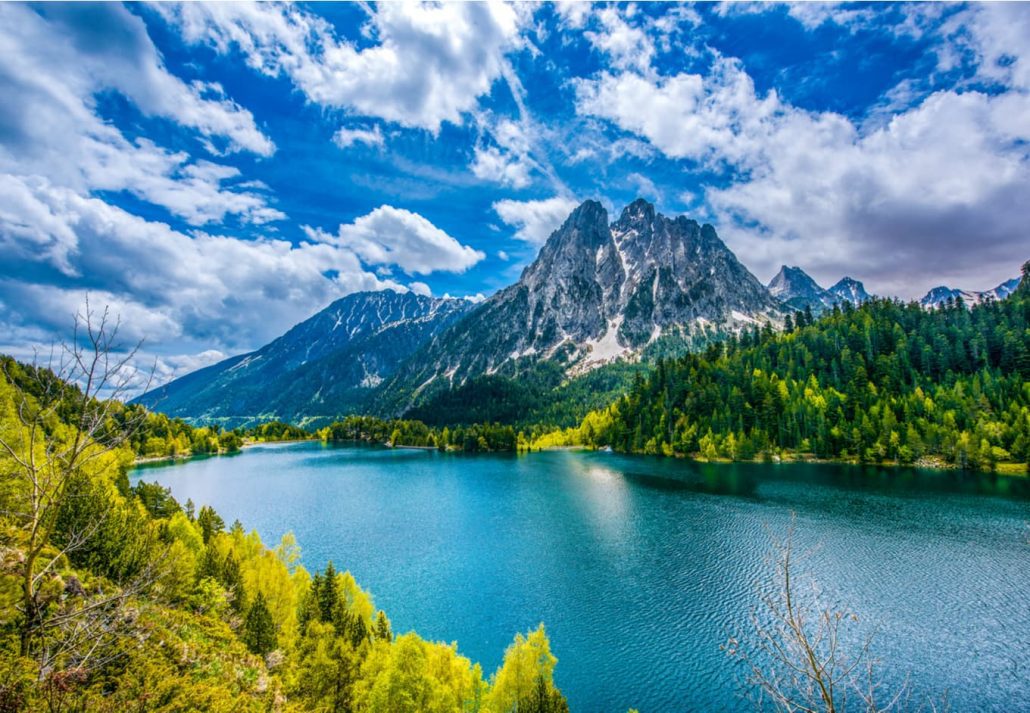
x: 641, y: 567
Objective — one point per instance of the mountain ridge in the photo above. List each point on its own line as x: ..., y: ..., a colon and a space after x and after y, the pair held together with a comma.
x: 797, y: 290
x: 596, y: 292
x: 939, y: 295
x: 338, y: 355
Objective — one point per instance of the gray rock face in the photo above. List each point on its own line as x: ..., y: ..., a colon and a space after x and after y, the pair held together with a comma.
x: 327, y: 365
x: 797, y: 290
x: 596, y: 292
x: 849, y: 290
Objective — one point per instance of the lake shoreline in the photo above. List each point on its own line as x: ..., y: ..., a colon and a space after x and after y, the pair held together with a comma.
x: 1012, y: 470
x: 1009, y: 470
x: 147, y: 460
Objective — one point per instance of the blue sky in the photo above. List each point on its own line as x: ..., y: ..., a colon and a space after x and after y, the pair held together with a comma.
x: 217, y: 173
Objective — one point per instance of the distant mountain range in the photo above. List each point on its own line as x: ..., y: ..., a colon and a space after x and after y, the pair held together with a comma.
x: 939, y: 295
x: 597, y: 292
x: 327, y: 365
x: 796, y: 290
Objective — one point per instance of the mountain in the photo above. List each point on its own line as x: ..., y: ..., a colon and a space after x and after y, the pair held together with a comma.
x: 849, y: 290
x: 939, y: 295
x: 325, y: 366
x: 596, y: 292
x: 793, y: 287
x: 710, y: 394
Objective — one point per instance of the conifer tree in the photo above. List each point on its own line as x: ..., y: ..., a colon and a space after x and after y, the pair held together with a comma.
x: 328, y: 594
x: 382, y: 630
x: 259, y: 629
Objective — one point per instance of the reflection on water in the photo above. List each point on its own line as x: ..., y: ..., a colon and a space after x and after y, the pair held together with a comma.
x: 641, y: 566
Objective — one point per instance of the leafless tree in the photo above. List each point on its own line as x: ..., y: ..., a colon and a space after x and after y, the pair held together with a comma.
x: 63, y: 627
x: 797, y: 658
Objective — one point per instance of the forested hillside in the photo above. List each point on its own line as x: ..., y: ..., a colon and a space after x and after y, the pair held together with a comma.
x: 147, y: 434
x: 886, y: 382
x: 542, y: 396
x: 116, y: 598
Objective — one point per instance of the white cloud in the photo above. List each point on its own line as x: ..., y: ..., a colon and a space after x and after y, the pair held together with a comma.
x: 100, y: 47
x: 491, y: 164
x: 934, y: 192
x: 713, y: 119
x: 179, y: 291
x: 573, y: 13
x: 811, y: 14
x: 932, y: 188
x: 474, y: 299
x: 429, y: 63
x: 420, y: 288
x: 394, y: 236
x: 51, y: 69
x: 627, y: 46
x: 534, y: 221
x: 814, y: 14
x: 345, y: 138
x: 997, y: 35
x: 502, y: 255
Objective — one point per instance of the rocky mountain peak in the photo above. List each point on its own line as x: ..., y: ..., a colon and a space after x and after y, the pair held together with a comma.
x: 796, y: 290
x: 596, y: 292
x: 639, y: 212
x: 850, y: 290
x: 791, y: 282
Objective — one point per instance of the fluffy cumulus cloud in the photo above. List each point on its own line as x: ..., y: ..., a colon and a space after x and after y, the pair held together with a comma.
x: 426, y: 64
x: 714, y: 118
x: 195, y: 296
x: 420, y: 288
x: 206, y: 286
x: 936, y: 187
x: 626, y: 45
x: 53, y: 66
x: 394, y: 236
x: 216, y: 292
x: 535, y: 220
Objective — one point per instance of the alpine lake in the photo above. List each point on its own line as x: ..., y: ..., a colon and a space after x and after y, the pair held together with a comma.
x: 642, y: 568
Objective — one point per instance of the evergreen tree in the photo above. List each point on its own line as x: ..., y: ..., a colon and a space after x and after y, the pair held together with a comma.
x: 210, y: 523
x: 882, y: 382
x: 328, y: 594
x: 259, y: 632
x: 382, y: 630
x: 232, y: 578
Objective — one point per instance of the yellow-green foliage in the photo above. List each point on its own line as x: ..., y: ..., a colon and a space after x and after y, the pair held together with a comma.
x: 528, y: 663
x: 412, y: 675
x: 143, y: 606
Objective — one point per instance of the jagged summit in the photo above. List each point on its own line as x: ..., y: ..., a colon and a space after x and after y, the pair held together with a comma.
x: 850, y: 290
x: 598, y: 291
x: 797, y: 290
